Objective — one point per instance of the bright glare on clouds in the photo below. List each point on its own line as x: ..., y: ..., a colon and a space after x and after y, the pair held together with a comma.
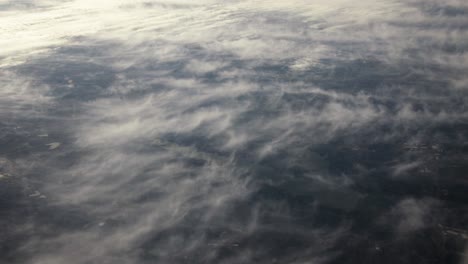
x: 27, y: 30
x: 248, y: 131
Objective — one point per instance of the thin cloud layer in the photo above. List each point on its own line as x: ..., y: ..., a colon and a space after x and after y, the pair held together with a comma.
x: 233, y: 132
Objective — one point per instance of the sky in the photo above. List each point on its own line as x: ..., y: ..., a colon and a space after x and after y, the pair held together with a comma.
x: 237, y: 131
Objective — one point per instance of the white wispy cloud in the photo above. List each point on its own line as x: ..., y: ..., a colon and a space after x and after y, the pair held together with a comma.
x: 198, y: 94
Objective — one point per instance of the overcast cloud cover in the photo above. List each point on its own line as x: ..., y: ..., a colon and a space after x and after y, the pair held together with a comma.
x: 233, y: 131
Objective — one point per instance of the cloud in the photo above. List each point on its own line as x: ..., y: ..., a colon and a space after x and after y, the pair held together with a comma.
x: 413, y: 215
x: 213, y: 132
